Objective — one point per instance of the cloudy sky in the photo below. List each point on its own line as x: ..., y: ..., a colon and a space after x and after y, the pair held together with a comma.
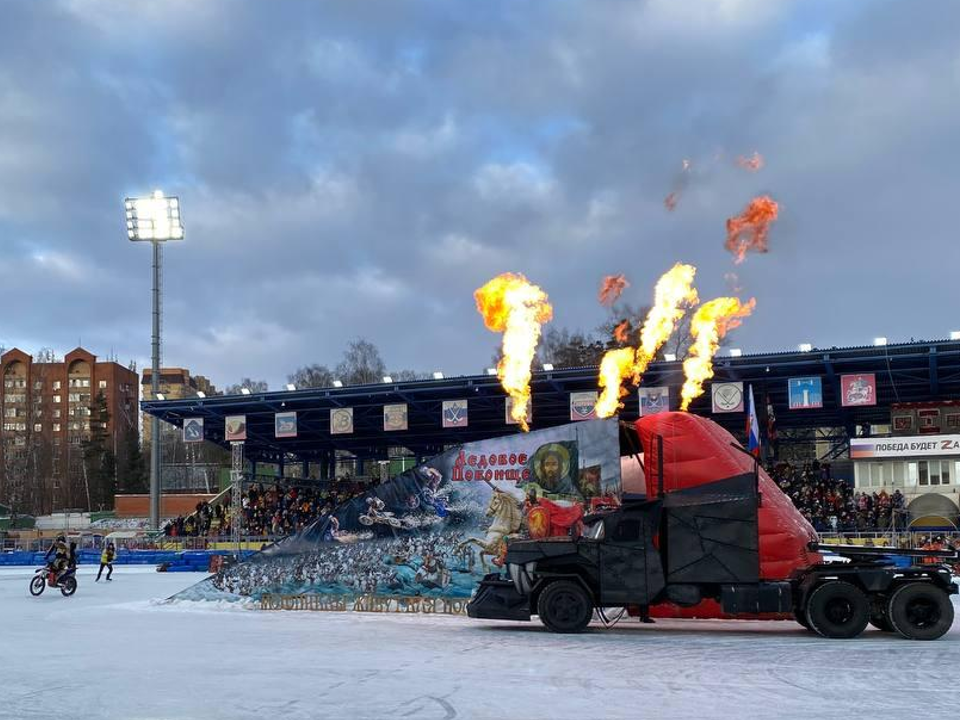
x: 354, y: 168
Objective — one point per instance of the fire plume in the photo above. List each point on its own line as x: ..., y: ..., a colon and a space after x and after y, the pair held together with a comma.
x: 709, y: 324
x: 611, y: 287
x: 673, y: 294
x: 622, y: 331
x: 512, y: 305
x: 748, y: 231
x: 751, y: 163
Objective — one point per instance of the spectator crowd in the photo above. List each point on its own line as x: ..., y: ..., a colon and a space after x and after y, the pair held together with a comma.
x: 830, y: 504
x: 267, y: 512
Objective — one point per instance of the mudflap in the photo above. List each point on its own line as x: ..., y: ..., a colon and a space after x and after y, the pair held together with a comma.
x: 498, y: 599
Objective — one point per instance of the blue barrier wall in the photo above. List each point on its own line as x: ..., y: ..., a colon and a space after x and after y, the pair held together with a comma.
x: 191, y: 560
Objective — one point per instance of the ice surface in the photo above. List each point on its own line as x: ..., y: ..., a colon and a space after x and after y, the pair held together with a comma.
x: 113, y: 651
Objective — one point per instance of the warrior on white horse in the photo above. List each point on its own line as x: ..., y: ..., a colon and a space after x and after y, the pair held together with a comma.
x: 507, y: 517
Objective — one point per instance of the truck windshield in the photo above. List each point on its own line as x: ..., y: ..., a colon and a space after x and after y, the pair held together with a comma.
x: 594, y: 531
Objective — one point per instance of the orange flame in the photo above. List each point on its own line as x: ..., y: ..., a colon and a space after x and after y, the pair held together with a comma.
x: 752, y: 163
x: 512, y: 305
x: 748, y: 231
x: 709, y: 324
x: 673, y: 294
x: 622, y: 331
x: 611, y: 287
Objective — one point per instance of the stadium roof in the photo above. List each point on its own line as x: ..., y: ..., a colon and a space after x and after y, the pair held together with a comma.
x: 908, y: 372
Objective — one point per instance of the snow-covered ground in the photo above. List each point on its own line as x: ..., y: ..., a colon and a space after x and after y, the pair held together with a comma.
x: 112, y: 651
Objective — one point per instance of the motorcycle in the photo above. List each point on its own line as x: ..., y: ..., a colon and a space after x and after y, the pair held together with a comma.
x: 44, y: 576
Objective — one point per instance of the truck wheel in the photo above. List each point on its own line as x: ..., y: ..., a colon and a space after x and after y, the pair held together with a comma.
x: 878, y: 614
x: 801, y: 618
x: 565, y: 607
x: 838, y: 609
x: 919, y: 611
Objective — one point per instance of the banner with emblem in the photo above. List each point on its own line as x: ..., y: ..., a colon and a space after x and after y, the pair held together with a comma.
x: 193, y: 430
x: 654, y: 400
x: 727, y: 397
x: 583, y: 406
x: 285, y: 425
x: 858, y: 390
x: 341, y: 421
x: 395, y: 417
x: 508, y: 407
x: 455, y: 413
x: 236, y: 428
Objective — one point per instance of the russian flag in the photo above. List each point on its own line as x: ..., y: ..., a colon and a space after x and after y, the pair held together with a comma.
x: 753, y: 428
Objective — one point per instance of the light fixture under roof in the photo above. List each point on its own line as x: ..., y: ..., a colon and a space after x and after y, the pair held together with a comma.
x: 438, y: 375
x: 291, y: 387
x: 491, y: 371
x: 548, y: 367
x: 160, y: 396
x: 244, y: 391
x: 201, y: 394
x: 338, y: 383
x: 879, y: 341
x: 387, y: 379
x: 736, y: 352
x: 955, y: 334
x: 805, y: 347
x: 670, y: 357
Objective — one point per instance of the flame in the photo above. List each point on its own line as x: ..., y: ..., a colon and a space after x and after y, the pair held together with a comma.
x: 709, y: 324
x: 611, y: 287
x: 512, y: 305
x: 752, y: 163
x: 670, y: 201
x: 748, y: 231
x: 615, y: 366
x: 674, y: 292
x: 622, y: 331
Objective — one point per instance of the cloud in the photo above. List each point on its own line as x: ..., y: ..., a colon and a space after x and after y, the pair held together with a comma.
x: 351, y: 169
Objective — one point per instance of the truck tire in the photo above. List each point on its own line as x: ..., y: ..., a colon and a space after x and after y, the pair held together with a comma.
x: 838, y: 609
x: 565, y: 607
x: 801, y: 618
x: 920, y: 611
x: 878, y: 613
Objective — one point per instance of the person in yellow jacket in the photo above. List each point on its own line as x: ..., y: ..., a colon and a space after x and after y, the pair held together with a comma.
x: 106, y: 561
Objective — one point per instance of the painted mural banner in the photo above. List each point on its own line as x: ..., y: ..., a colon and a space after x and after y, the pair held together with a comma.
x: 435, y: 530
x: 654, y: 400
x: 858, y: 390
x: 805, y: 393
x: 193, y: 430
x: 455, y: 413
x: 285, y: 425
x: 583, y: 406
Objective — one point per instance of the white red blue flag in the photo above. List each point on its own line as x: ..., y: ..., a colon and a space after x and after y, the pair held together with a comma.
x: 753, y: 427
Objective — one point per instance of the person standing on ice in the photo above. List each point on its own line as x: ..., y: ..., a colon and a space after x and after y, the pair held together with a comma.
x: 106, y: 561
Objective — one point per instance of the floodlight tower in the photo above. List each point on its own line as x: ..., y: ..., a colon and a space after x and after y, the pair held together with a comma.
x: 154, y: 219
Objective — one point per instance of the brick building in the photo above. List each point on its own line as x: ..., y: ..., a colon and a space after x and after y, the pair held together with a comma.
x: 67, y: 425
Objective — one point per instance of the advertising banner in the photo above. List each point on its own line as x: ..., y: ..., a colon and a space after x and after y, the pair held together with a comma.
x: 654, y: 400
x: 285, y: 425
x: 236, y: 428
x: 805, y: 393
x: 727, y: 397
x: 341, y: 421
x: 395, y: 417
x: 583, y: 406
x: 455, y: 413
x: 858, y: 390
x: 508, y: 406
x: 193, y: 430
x: 894, y: 447
x: 435, y: 530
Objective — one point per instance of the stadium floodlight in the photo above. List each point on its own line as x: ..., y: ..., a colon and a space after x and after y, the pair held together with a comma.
x: 955, y: 334
x: 879, y: 341
x: 805, y: 347
x: 736, y: 352
x: 548, y: 367
x: 438, y: 375
x: 338, y: 383
x: 201, y: 394
x: 491, y: 371
x: 244, y: 391
x: 670, y: 357
x: 153, y: 219
x: 160, y: 396
x: 291, y: 387
x: 387, y: 379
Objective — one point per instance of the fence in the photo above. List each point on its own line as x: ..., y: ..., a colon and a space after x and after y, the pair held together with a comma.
x: 160, y: 542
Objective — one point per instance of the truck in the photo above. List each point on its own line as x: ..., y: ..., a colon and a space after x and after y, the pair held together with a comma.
x: 729, y: 546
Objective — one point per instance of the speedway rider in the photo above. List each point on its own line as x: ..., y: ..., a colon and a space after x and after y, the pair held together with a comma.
x: 58, y: 556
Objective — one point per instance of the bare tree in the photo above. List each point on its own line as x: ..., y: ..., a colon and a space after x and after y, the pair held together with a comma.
x: 254, y: 386
x: 311, y: 376
x: 361, y: 364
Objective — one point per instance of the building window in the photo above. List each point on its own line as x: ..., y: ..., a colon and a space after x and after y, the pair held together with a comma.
x: 10, y: 412
x: 924, y: 477
x: 102, y: 384
x: 56, y: 427
x: 912, y: 474
x: 38, y: 384
x: 56, y: 398
x: 37, y: 427
x: 876, y: 474
x: 945, y: 472
x: 56, y: 413
x: 56, y: 386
